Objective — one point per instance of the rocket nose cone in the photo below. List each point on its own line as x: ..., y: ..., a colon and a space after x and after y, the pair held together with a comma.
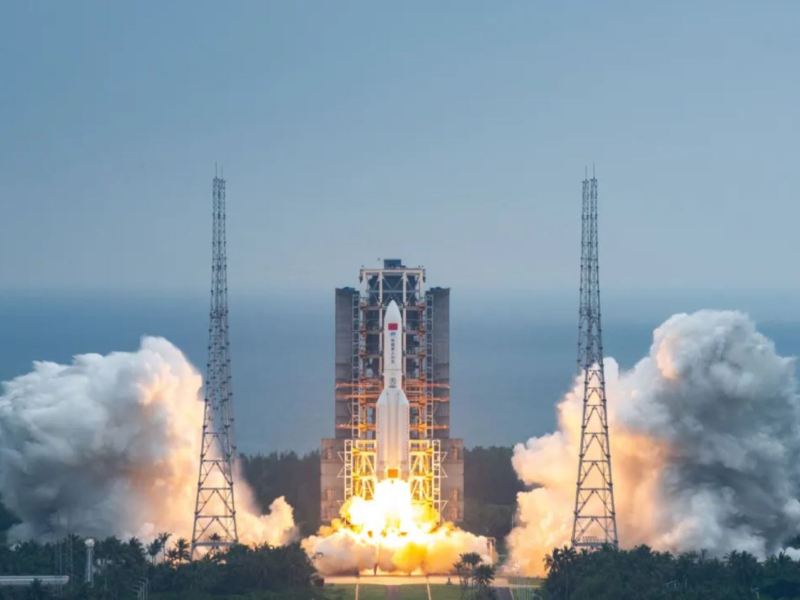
x: 392, y: 313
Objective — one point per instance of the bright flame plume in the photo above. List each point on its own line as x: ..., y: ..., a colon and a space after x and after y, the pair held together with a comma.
x: 390, y: 534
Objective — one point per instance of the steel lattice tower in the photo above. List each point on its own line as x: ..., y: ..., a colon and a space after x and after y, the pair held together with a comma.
x: 215, y: 512
x: 595, y: 521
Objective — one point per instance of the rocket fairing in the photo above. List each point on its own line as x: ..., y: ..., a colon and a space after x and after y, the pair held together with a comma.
x: 392, y: 409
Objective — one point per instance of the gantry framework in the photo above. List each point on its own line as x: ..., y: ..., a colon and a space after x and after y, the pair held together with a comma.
x: 595, y: 521
x: 215, y: 513
x: 405, y: 286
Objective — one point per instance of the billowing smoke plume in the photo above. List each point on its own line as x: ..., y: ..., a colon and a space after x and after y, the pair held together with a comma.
x: 109, y: 445
x: 705, y: 442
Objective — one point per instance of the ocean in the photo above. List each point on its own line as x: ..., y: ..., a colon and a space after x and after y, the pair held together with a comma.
x: 512, y: 356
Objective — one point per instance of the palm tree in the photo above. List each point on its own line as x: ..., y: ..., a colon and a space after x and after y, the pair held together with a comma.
x: 182, y: 550
x: 465, y: 568
x: 463, y: 572
x: 110, y: 549
x: 744, y: 566
x: 471, y: 559
x: 136, y: 545
x: 214, y: 551
x: 560, y: 566
x: 483, y: 575
x: 163, y: 538
x: 171, y: 556
x: 153, y: 548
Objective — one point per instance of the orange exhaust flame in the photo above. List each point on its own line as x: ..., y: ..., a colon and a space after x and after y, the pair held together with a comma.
x: 390, y: 534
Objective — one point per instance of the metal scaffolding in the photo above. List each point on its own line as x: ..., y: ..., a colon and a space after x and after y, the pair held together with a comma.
x: 595, y: 521
x: 429, y: 409
x: 215, y: 514
x: 405, y: 286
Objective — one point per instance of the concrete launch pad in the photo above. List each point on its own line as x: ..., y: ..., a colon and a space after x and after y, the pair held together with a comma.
x: 426, y: 587
x: 389, y: 579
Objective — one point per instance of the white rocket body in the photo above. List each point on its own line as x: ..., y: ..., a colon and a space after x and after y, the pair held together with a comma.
x: 392, y: 409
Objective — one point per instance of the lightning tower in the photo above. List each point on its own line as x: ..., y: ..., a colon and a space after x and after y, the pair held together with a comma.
x: 215, y: 512
x: 595, y: 521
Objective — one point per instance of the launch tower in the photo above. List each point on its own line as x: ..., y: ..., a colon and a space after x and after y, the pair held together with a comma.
x: 348, y: 467
x: 595, y: 521
x: 215, y: 512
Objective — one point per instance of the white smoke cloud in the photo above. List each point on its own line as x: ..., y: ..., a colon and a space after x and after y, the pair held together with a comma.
x: 109, y: 445
x: 275, y: 528
x: 705, y: 441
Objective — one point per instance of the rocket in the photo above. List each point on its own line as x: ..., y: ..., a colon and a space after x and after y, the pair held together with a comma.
x: 392, y: 409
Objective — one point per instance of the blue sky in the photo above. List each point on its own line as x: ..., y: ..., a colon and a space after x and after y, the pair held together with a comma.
x: 452, y: 134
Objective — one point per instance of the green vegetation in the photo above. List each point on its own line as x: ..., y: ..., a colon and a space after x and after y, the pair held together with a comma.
x: 490, y: 491
x: 411, y: 592
x: 371, y: 592
x: 289, y: 475
x: 642, y: 574
x: 403, y: 592
x: 526, y: 588
x: 474, y: 577
x: 445, y: 592
x: 265, y: 573
x: 340, y: 592
x: 259, y: 573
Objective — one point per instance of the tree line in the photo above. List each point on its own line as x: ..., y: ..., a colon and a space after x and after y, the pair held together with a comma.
x: 124, y: 568
x: 474, y: 577
x: 644, y: 574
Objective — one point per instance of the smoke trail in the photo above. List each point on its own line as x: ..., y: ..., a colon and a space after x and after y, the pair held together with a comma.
x: 109, y: 445
x: 705, y: 440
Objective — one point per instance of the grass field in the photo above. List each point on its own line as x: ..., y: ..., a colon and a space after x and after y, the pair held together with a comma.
x: 371, y: 592
x: 445, y: 592
x: 402, y: 592
x: 411, y: 592
x: 340, y: 592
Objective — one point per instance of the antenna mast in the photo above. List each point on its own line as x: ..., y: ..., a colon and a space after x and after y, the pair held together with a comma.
x: 215, y: 513
x: 595, y: 522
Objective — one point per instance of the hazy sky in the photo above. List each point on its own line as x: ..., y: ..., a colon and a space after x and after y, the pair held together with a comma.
x: 452, y: 134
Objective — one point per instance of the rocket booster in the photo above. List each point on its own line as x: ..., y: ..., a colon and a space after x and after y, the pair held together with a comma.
x: 392, y: 409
